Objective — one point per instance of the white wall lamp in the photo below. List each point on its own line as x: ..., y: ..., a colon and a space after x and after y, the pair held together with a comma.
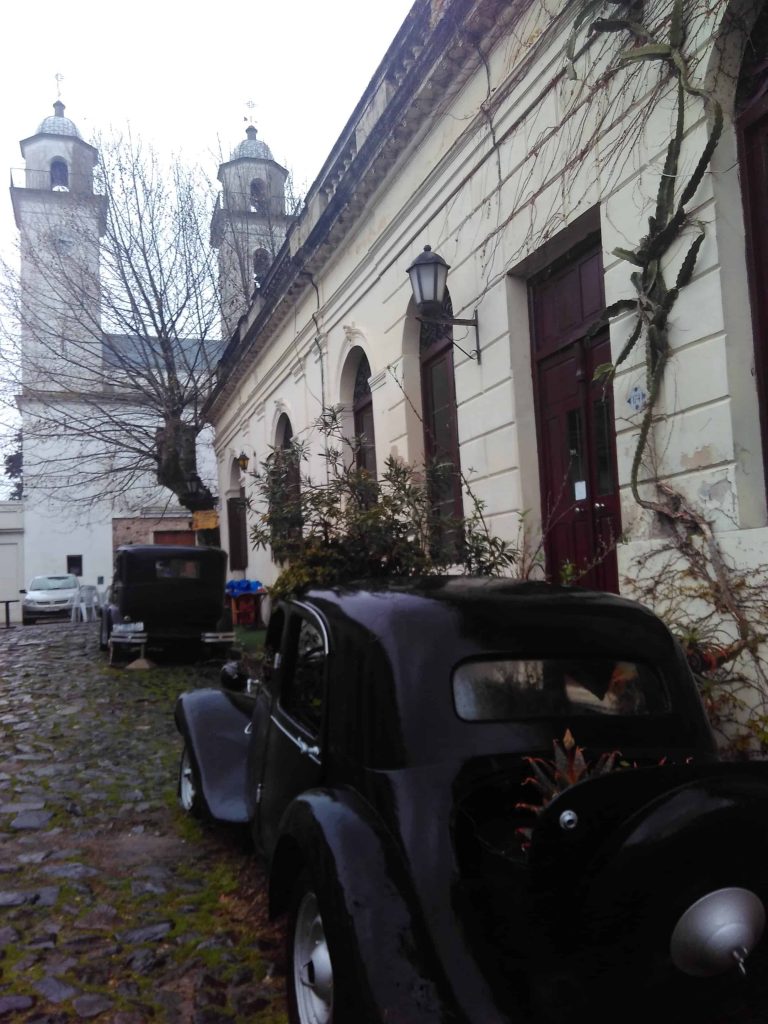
x: 429, y: 274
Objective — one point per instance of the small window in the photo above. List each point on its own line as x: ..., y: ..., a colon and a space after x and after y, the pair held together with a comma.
x: 59, y: 176
x: 506, y: 689
x: 258, y: 196
x: 177, y: 569
x: 75, y: 564
x: 261, y: 262
x: 302, y: 690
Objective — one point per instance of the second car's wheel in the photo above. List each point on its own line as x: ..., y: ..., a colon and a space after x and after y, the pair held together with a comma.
x: 190, y: 791
x: 310, y: 972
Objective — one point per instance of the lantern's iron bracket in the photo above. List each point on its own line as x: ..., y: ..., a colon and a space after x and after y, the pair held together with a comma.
x: 458, y: 322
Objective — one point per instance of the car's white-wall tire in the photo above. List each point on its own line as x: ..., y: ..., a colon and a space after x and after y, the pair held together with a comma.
x: 189, y: 789
x: 310, y: 970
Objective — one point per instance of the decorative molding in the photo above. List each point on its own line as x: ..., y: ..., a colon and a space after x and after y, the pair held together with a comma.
x: 378, y: 380
x: 351, y: 333
x: 394, y: 369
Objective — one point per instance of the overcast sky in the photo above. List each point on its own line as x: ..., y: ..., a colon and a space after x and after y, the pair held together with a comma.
x: 182, y: 74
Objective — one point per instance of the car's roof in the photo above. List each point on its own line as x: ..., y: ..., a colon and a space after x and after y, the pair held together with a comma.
x: 378, y: 603
x: 398, y: 642
x: 167, y: 550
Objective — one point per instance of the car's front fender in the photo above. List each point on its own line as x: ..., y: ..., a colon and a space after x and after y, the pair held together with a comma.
x: 214, y: 728
x: 368, y: 907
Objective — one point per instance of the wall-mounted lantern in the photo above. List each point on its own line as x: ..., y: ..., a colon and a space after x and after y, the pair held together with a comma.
x: 242, y: 461
x: 429, y: 275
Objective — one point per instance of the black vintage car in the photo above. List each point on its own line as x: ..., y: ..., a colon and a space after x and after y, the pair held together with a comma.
x: 381, y: 762
x: 165, y: 595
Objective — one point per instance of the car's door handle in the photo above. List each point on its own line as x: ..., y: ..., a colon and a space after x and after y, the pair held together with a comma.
x: 306, y: 749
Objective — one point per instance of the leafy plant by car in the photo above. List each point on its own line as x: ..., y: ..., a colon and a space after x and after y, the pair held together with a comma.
x: 349, y: 524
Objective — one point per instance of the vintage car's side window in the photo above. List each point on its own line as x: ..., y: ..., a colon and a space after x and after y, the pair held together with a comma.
x: 301, y: 693
x: 271, y: 660
x: 177, y: 569
x: 493, y: 690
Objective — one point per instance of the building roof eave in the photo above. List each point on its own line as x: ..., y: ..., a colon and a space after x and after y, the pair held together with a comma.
x: 420, y: 66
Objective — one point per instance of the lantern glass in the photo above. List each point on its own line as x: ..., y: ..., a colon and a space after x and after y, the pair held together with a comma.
x: 428, y: 274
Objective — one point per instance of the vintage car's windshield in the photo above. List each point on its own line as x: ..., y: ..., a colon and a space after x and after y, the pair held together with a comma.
x: 504, y: 689
x: 54, y: 583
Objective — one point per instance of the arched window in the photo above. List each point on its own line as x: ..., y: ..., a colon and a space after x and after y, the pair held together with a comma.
x: 261, y: 263
x: 441, y: 431
x: 258, y: 196
x: 362, y: 410
x: 59, y: 175
x: 284, y: 496
x: 237, y: 526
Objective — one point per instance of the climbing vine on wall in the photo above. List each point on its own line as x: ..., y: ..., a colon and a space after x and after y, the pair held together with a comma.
x: 717, y: 610
x: 654, y: 300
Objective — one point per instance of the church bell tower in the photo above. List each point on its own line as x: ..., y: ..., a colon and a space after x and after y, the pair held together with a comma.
x: 249, y: 223
x: 60, y: 220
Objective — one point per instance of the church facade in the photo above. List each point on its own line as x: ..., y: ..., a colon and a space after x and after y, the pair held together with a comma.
x: 75, y: 370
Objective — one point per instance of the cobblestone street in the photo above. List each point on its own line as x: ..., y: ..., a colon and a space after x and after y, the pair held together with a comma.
x: 115, y: 906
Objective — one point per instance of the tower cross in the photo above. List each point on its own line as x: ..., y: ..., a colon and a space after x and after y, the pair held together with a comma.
x: 59, y: 79
x: 251, y: 107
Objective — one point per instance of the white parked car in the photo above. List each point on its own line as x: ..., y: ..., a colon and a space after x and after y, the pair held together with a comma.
x: 48, y: 596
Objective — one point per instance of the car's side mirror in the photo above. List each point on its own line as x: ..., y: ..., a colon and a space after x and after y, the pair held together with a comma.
x: 22, y: 591
x: 232, y: 678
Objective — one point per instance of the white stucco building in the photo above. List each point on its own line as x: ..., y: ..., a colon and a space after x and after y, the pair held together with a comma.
x: 473, y: 138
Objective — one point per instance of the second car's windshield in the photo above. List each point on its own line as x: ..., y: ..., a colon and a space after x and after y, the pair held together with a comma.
x: 53, y: 583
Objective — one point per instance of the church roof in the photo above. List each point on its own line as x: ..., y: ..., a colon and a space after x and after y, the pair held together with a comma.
x: 57, y: 124
x: 251, y: 147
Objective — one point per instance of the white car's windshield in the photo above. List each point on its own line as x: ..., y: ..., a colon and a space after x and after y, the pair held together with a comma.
x: 53, y: 583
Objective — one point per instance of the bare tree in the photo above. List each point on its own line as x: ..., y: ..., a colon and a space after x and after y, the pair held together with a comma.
x: 111, y: 330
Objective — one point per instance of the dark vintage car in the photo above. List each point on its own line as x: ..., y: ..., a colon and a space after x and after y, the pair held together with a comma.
x: 381, y: 759
x: 165, y: 595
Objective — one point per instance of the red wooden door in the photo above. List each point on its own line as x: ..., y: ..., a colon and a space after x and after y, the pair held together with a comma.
x: 575, y: 426
x: 753, y: 151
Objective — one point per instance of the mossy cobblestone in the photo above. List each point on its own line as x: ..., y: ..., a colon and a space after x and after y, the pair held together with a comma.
x: 114, y: 907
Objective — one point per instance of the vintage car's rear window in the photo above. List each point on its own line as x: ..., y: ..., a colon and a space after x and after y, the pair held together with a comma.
x: 501, y: 689
x: 177, y: 569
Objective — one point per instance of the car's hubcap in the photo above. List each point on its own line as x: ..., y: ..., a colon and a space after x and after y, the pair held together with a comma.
x: 187, y: 790
x: 312, y: 971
